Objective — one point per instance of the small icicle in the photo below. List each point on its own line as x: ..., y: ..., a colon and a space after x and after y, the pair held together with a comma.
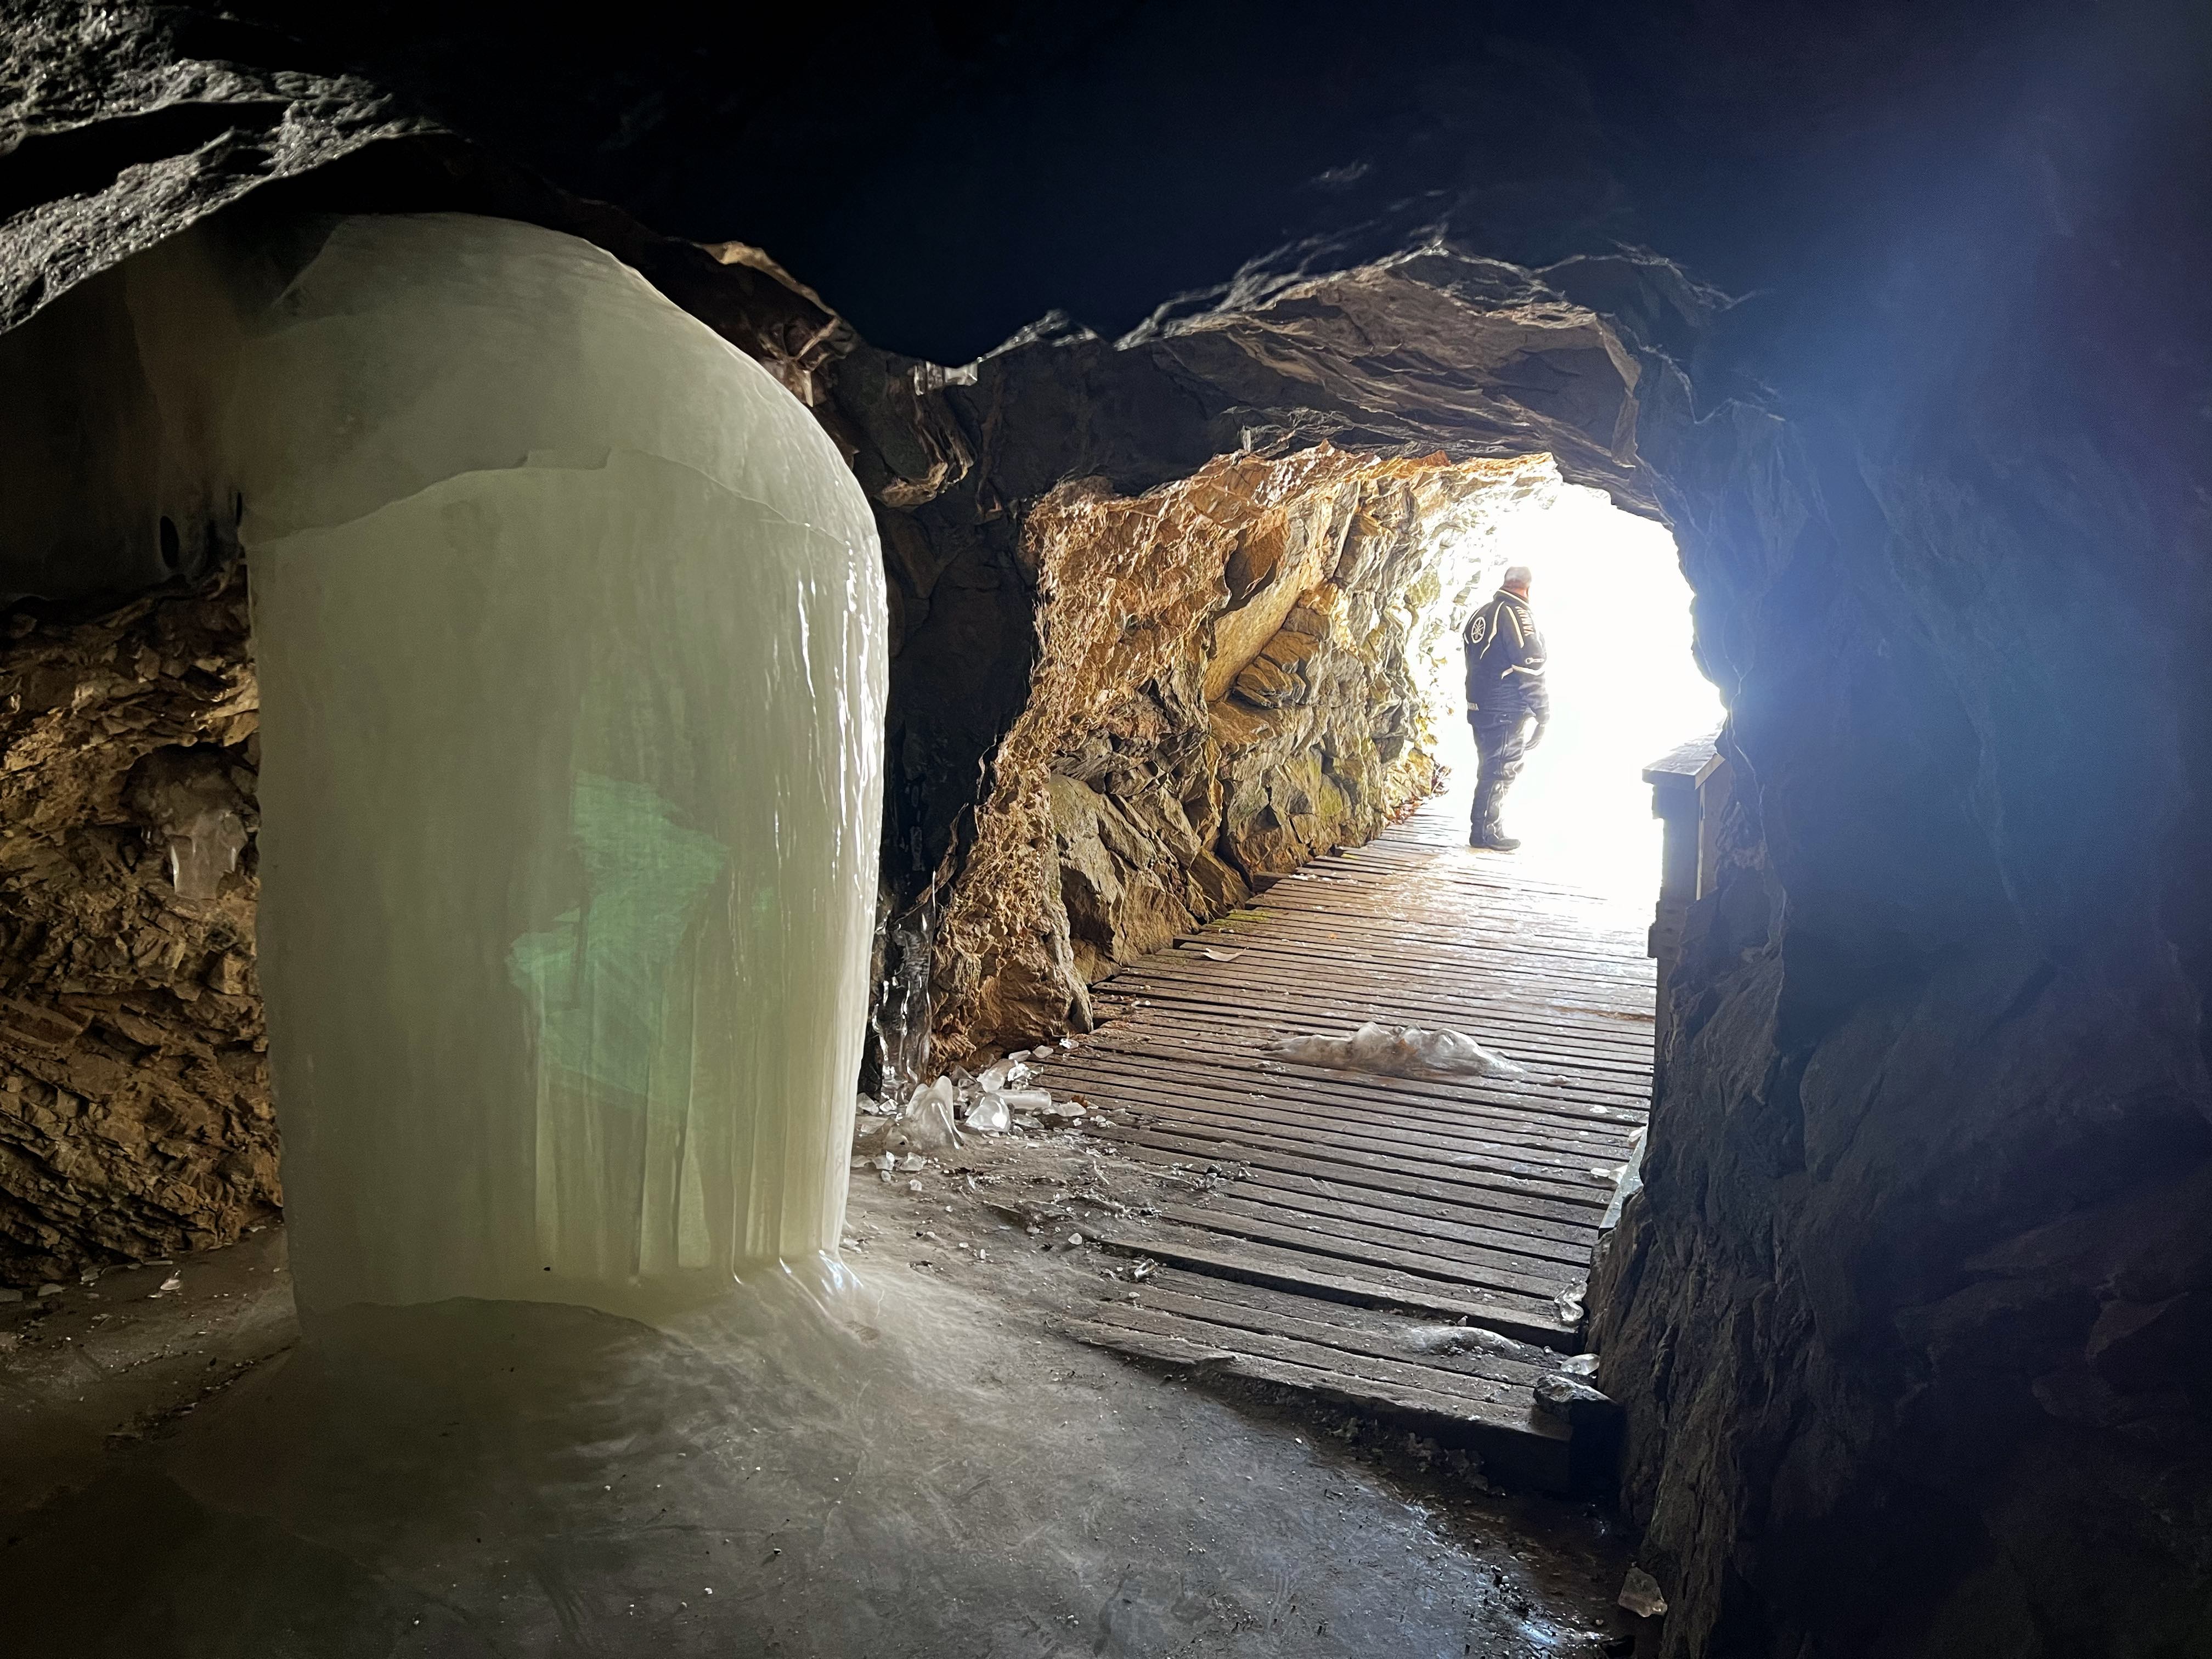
x: 203, y: 850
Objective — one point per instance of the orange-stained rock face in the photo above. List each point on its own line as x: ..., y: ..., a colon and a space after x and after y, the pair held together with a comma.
x: 1236, y: 671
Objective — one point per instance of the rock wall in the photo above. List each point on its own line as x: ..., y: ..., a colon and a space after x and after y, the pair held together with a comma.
x: 1234, y: 672
x: 134, y: 1116
x: 1913, y: 1317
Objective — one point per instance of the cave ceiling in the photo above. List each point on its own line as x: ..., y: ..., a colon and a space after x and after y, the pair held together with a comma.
x: 1160, y: 150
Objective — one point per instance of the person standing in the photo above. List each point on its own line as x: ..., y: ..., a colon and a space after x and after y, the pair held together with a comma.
x: 1507, y: 703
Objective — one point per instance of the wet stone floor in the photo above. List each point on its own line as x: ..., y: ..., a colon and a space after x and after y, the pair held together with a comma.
x: 934, y: 1471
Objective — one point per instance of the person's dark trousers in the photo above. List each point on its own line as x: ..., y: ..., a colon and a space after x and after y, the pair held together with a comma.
x: 1500, y: 749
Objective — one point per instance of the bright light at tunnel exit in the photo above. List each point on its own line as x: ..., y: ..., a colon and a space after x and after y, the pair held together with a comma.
x: 1614, y: 611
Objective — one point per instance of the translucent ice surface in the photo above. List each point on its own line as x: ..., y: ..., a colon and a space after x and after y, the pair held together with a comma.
x: 203, y: 850
x: 571, y: 631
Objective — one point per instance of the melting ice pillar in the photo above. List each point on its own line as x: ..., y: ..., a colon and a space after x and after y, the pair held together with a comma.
x: 571, y: 630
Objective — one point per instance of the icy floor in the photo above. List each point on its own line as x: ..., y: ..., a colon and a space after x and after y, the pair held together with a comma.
x: 935, y: 1472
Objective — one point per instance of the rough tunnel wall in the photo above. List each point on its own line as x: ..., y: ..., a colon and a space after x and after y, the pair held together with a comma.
x: 1236, y: 674
x: 1914, y: 1318
x: 134, y: 1116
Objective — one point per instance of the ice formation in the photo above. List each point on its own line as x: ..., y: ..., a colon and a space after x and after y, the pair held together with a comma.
x: 571, y: 632
x: 1400, y: 1051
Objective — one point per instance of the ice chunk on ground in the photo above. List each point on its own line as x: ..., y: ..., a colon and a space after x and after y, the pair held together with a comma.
x: 990, y: 1115
x: 928, y: 1125
x: 1627, y: 1182
x: 1400, y: 1051
x: 1458, y: 1338
x: 1640, y: 1594
x: 203, y: 850
x: 939, y: 1093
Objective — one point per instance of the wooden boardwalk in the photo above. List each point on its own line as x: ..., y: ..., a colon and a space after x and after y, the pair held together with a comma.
x: 1350, y: 1218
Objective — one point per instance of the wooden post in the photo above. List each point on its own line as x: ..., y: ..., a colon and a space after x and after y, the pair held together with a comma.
x: 1690, y: 786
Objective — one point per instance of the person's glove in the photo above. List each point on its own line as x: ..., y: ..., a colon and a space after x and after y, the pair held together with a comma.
x: 1535, y: 735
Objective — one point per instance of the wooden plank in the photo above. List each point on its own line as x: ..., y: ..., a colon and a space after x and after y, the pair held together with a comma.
x: 1596, y: 1164
x: 1532, y: 1319
x: 1373, y: 1117
x: 1111, y: 1005
x: 1573, y: 1182
x: 1504, y: 1404
x: 1462, y: 919
x: 1402, y: 940
x: 1441, y: 893
x: 1565, y: 949
x: 1566, y: 1241
x: 1429, y: 846
x: 1164, y: 1060
x: 1193, y: 1047
x: 1504, y: 971
x: 1286, y: 1232
x: 1620, y: 1045
x: 1383, y: 861
x: 1495, y: 1186
x: 1507, y: 1206
x: 1556, y: 1258
x: 1367, y: 980
x: 1530, y: 1234
x: 1541, y: 1462
x: 1476, y: 1352
x: 1356, y: 1241
x: 1559, y: 1006
x: 1457, y: 931
x: 1200, y: 1040
x: 1317, y: 1002
x: 1502, y: 1024
x: 1622, y: 1020
x: 1565, y: 1013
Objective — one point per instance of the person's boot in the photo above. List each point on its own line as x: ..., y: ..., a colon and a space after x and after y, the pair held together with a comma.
x: 1484, y: 832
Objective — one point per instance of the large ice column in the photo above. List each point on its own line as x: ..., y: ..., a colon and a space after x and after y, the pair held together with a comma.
x: 571, y: 631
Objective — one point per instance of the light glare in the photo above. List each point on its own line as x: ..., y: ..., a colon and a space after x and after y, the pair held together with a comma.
x: 1614, y: 610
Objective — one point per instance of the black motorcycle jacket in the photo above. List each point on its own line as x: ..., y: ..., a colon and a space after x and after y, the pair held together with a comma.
x: 1505, y: 662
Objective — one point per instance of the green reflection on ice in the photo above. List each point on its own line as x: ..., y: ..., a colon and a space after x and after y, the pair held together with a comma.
x: 598, y: 978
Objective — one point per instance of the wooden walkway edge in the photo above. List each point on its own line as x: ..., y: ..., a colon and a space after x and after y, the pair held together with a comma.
x: 1418, y: 1247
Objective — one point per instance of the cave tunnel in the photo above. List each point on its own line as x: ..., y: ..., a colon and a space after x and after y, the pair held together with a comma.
x: 735, y: 907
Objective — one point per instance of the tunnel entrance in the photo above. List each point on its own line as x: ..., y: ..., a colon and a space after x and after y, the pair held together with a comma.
x: 1614, y: 609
